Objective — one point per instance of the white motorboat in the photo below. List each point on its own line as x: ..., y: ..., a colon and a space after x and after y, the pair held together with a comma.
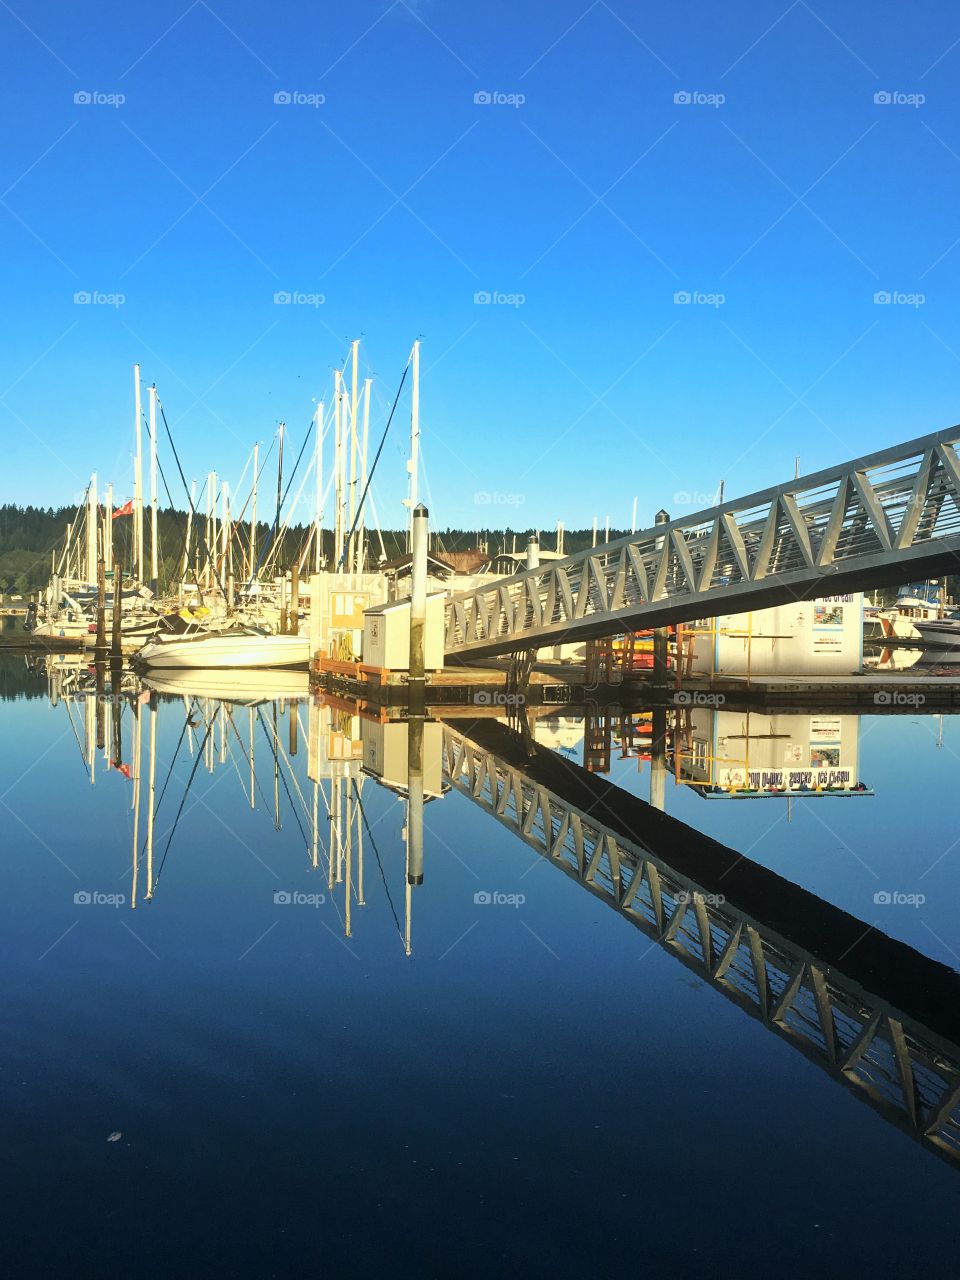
x: 940, y: 633
x: 240, y: 647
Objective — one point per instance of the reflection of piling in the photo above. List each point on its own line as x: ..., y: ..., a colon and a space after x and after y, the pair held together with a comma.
x: 418, y: 608
x: 415, y: 796
x: 660, y: 669
x: 414, y: 819
x: 101, y: 646
x: 658, y: 759
x: 117, y: 615
x: 99, y: 674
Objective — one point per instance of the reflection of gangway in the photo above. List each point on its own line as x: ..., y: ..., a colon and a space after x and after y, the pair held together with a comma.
x: 873, y: 1013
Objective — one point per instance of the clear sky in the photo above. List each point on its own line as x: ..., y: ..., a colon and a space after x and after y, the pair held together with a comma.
x: 811, y: 162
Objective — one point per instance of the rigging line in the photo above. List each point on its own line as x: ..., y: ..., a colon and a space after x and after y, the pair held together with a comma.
x: 200, y: 533
x: 186, y: 792
x: 376, y: 459
x: 166, y: 780
x: 376, y: 852
x: 166, y: 487
x: 276, y: 761
x: 75, y: 734
x: 282, y: 500
x: 163, y: 789
x: 266, y: 803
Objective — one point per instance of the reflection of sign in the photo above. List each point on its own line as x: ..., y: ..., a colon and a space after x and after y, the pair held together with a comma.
x: 825, y: 742
x: 786, y: 779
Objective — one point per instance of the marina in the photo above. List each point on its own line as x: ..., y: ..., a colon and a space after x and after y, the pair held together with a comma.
x: 479, y: 641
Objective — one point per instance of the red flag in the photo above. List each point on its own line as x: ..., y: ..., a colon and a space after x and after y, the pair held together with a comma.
x: 125, y: 510
x: 121, y: 768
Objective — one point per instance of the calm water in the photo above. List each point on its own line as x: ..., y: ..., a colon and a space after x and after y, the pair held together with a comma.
x: 537, y: 1088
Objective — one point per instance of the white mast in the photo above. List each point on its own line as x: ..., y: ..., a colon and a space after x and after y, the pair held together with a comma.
x: 337, y: 468
x: 138, y: 478
x: 92, y: 529
x: 108, y: 529
x: 208, y: 533
x: 186, y: 546
x: 154, y: 553
x: 224, y: 533
x: 318, y: 481
x: 362, y: 527
x: 414, y: 463
x: 633, y: 518
x: 354, y: 355
x: 253, y: 513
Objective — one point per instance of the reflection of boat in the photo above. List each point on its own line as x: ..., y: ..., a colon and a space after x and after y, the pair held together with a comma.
x: 234, y: 685
x: 243, y: 647
x: 892, y: 659
x: 941, y: 633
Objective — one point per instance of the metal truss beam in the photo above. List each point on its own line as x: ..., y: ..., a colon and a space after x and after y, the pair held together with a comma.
x: 876, y: 520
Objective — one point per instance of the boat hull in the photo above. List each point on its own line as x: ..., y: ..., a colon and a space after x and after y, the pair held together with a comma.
x: 940, y: 635
x: 226, y: 651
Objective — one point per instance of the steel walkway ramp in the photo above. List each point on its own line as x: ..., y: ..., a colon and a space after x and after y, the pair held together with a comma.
x: 877, y: 520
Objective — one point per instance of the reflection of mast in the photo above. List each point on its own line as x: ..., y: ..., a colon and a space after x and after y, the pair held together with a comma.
x: 137, y: 743
x: 414, y: 821
x: 253, y: 776
x: 151, y: 792
x: 315, y: 834
x: 276, y: 773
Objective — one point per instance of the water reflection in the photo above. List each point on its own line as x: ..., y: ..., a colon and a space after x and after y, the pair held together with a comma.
x: 874, y: 1014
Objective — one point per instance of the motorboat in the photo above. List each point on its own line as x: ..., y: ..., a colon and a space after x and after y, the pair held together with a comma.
x: 233, y: 647
x: 940, y: 633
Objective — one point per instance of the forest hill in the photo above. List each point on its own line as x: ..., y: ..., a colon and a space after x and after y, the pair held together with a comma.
x: 28, y: 536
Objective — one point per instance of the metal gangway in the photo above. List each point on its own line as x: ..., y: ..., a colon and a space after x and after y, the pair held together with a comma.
x: 875, y: 521
x: 877, y: 1016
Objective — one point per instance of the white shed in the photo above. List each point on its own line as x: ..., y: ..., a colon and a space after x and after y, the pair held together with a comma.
x: 386, y: 635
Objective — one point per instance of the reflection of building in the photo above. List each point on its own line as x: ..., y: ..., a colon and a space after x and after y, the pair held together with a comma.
x: 806, y: 638
x: 386, y: 755
x: 738, y: 755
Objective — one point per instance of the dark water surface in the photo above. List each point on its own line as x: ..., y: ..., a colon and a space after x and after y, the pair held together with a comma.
x: 536, y: 1089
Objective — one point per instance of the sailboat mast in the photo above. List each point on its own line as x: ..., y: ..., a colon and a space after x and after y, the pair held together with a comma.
x: 92, y: 529
x: 189, y: 537
x: 337, y: 472
x: 279, y: 488
x: 253, y: 513
x: 138, y: 478
x: 414, y: 439
x: 354, y: 353
x: 154, y: 553
x: 318, y: 482
x: 362, y: 528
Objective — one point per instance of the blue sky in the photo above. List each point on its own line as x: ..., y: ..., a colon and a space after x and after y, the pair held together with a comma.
x: 782, y: 197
